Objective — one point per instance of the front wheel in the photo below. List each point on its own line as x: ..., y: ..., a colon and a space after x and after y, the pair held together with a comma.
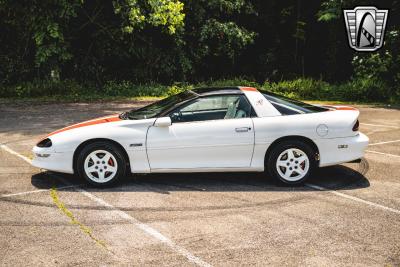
x: 101, y: 164
x: 292, y: 162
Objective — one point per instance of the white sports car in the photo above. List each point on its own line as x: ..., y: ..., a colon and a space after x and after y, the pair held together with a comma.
x: 230, y: 129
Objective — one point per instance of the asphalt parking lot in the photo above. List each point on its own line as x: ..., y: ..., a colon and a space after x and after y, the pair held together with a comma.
x: 345, y: 215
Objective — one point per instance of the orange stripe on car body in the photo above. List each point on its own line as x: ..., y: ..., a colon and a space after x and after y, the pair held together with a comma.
x: 341, y: 107
x: 249, y: 89
x: 87, y: 123
x: 345, y: 108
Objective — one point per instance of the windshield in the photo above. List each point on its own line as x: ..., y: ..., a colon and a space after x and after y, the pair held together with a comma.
x: 288, y: 106
x: 158, y: 107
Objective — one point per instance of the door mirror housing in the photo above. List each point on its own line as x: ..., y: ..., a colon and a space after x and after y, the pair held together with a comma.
x: 163, y: 122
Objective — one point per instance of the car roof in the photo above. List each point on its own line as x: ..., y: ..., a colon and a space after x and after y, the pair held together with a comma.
x: 217, y: 90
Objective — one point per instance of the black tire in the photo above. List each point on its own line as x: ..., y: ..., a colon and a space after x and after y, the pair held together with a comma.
x: 114, y: 150
x: 277, y: 150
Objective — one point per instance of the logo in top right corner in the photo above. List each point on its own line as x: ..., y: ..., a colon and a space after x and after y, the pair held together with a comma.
x: 365, y: 27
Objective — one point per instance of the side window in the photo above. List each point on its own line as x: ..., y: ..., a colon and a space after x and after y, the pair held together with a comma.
x: 216, y: 107
x: 287, y: 106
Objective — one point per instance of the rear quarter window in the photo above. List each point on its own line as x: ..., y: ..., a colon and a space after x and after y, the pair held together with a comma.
x: 288, y: 106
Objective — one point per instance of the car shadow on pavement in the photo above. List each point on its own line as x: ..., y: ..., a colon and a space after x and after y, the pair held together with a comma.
x: 340, y: 177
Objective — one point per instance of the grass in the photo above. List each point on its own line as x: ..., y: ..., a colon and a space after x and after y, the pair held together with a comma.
x: 73, y: 220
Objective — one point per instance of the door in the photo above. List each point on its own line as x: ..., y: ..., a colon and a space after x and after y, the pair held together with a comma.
x: 208, y: 132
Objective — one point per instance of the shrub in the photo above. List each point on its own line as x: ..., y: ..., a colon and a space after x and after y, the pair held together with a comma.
x: 307, y: 89
x: 239, y: 81
x: 358, y: 89
x: 129, y: 89
x: 45, y: 88
x: 364, y: 90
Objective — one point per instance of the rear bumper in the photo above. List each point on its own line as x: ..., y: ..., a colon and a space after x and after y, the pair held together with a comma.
x: 47, y: 159
x: 340, y: 150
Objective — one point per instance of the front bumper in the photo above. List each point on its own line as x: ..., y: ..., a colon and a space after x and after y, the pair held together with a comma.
x: 46, y: 158
x: 340, y: 150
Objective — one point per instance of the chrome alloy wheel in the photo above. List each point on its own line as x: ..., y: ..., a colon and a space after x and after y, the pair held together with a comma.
x: 100, y: 166
x: 292, y: 164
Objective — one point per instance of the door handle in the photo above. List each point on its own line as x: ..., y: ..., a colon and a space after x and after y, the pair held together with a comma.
x: 242, y: 129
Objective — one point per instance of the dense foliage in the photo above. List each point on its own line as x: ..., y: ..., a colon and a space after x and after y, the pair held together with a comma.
x: 97, y: 45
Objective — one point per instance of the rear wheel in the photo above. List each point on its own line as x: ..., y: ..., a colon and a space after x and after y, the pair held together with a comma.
x: 101, y: 163
x: 292, y: 162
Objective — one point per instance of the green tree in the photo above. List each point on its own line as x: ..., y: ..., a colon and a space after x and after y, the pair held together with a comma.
x: 167, y: 14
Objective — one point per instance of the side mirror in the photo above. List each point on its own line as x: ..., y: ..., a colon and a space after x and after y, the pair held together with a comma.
x: 163, y: 122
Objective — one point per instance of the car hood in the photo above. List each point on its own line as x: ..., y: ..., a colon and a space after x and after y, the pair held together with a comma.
x: 107, y: 119
x: 110, y: 127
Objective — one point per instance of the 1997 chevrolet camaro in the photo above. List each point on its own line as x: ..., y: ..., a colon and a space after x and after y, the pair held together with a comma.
x: 230, y: 129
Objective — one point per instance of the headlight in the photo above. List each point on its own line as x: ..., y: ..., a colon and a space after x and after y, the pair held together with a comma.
x: 356, y: 126
x: 45, y: 143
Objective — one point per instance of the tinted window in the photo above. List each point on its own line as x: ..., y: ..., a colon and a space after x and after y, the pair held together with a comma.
x: 158, y: 107
x: 288, y: 106
x: 216, y: 107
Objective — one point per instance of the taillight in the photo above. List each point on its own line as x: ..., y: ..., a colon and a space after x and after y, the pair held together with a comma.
x: 356, y: 126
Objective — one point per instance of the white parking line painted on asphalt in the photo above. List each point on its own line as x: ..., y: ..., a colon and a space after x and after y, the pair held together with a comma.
x: 36, y: 191
x: 144, y: 227
x: 382, y: 143
x: 380, y: 125
x: 353, y: 198
x: 9, y: 150
x: 381, y: 153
